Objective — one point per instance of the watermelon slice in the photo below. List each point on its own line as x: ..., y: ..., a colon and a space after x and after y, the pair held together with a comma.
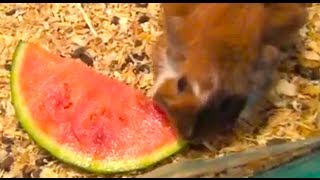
x: 84, y: 118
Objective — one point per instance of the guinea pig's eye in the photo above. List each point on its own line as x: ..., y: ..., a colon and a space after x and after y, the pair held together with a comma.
x: 182, y: 84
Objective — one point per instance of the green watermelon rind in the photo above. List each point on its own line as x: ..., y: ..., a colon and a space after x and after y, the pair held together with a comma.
x: 64, y: 153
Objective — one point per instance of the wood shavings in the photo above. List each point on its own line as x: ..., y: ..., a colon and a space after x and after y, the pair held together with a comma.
x: 311, y: 90
x: 122, y: 50
x: 48, y: 173
x: 87, y: 19
x: 286, y: 88
x: 311, y: 55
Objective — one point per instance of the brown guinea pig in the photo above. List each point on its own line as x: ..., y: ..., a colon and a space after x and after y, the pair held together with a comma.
x: 215, y: 58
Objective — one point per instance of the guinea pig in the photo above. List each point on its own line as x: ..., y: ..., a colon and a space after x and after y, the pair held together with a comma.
x: 215, y: 58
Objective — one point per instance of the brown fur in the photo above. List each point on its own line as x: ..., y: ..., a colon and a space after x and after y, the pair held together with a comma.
x: 226, y: 41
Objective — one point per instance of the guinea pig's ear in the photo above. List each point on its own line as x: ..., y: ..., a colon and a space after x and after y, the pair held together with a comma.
x: 173, y: 25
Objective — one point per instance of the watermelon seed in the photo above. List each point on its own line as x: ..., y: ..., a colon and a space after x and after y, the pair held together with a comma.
x: 87, y: 60
x: 80, y: 53
x: 115, y: 20
x: 68, y: 105
x: 11, y: 12
x: 6, y: 140
x: 137, y: 43
x: 76, y: 53
x: 143, y: 19
x: 6, y: 164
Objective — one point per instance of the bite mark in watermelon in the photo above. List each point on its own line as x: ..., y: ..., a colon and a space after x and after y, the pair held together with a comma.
x: 85, y: 118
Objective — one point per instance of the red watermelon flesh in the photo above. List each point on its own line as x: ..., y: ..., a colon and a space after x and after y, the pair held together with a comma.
x: 86, y: 118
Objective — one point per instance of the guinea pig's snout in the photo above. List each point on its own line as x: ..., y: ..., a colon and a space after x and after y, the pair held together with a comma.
x: 182, y: 119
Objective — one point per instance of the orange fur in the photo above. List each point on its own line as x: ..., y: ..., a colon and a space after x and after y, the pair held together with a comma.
x: 210, y: 52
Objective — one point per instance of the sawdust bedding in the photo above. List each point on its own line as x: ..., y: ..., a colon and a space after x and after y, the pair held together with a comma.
x: 116, y: 40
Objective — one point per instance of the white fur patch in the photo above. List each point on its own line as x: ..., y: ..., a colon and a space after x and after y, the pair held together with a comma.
x: 203, y: 95
x: 200, y: 94
x: 167, y: 71
x: 196, y: 89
